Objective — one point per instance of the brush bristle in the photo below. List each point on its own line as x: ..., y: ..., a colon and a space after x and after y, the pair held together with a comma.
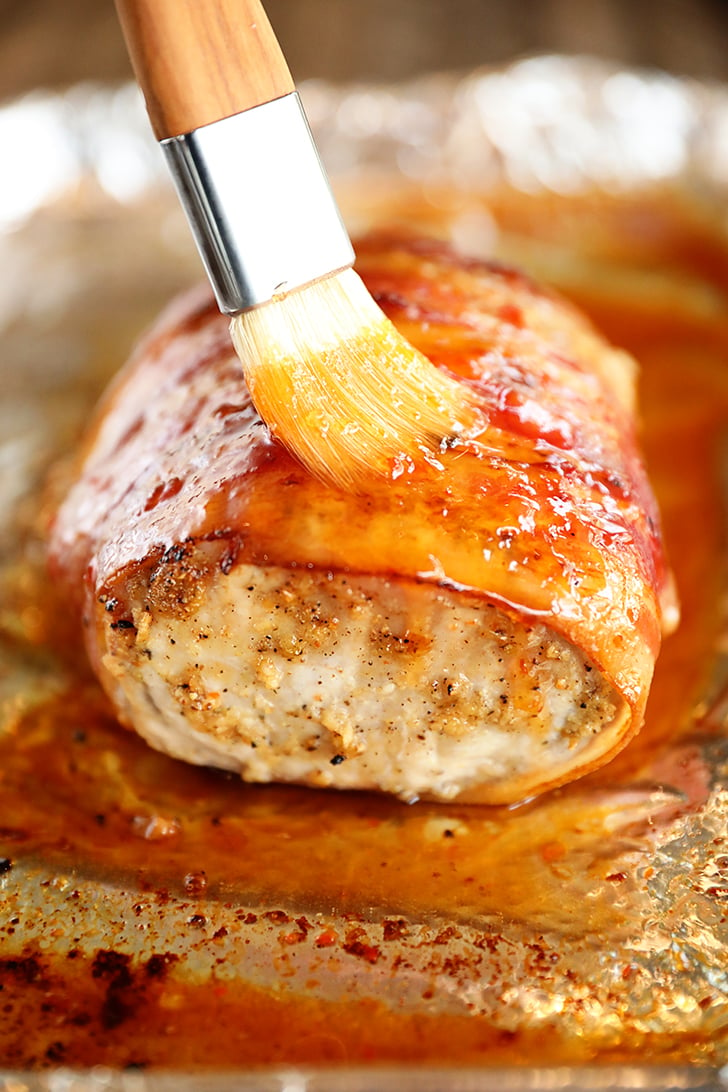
x: 340, y: 387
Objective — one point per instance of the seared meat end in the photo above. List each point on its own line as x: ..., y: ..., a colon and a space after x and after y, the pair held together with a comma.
x: 350, y: 681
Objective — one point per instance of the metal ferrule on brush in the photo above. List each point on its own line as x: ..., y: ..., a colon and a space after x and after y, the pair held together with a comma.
x: 259, y: 203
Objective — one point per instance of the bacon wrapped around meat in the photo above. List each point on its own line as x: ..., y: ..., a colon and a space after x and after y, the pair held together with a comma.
x: 481, y: 625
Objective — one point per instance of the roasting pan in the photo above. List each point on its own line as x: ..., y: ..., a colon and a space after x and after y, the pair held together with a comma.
x: 166, y: 928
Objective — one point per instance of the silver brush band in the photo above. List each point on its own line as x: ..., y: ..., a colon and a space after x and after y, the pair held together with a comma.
x: 259, y: 203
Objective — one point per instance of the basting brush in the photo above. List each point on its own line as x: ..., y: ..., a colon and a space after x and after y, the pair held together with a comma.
x: 328, y: 372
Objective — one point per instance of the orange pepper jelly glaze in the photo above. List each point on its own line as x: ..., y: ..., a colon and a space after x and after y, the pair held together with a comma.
x: 546, y: 511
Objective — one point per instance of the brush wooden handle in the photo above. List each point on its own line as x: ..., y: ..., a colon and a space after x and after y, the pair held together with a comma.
x: 198, y: 61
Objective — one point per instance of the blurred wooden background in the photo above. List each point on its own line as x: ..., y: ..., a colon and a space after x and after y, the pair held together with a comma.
x: 52, y: 43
